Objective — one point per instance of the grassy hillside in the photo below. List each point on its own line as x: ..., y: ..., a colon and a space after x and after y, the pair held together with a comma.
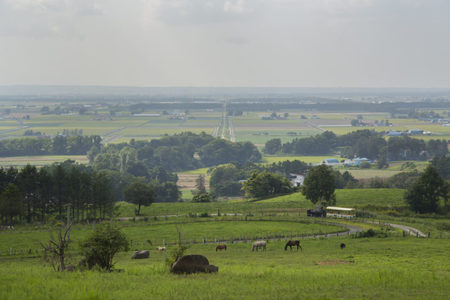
x: 357, y: 198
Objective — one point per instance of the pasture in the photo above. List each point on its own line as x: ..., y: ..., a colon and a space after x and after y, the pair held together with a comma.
x: 372, y: 268
x: 388, y: 268
x: 193, y: 230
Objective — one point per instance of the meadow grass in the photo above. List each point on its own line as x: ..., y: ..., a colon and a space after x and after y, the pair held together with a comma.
x: 388, y: 268
x: 193, y: 229
x: 371, y: 173
x: 356, y: 198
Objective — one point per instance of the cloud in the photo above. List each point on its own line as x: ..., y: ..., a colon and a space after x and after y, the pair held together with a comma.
x: 237, y: 40
x: 44, y: 18
x: 235, y: 7
x: 182, y: 12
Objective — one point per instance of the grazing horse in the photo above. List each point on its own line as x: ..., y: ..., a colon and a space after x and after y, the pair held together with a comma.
x: 221, y: 247
x: 259, y: 244
x: 342, y: 246
x: 293, y: 243
x: 161, y: 249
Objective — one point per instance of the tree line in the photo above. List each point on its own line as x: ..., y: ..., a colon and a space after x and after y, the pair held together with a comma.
x: 184, y: 151
x: 58, y: 145
x: 33, y: 194
x: 361, y: 143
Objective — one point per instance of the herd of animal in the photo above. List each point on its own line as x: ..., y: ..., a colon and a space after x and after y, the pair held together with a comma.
x: 258, y: 245
x: 263, y: 244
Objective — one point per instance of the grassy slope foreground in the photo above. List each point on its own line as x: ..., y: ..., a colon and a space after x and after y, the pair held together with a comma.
x: 377, y: 268
x: 390, y: 268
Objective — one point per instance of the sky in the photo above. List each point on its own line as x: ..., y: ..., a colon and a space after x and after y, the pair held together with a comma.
x: 215, y: 43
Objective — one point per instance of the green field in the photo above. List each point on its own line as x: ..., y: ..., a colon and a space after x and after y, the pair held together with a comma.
x: 390, y: 268
x: 394, y: 267
x: 161, y: 231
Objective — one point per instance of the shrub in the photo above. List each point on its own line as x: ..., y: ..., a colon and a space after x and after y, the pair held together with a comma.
x: 202, y: 197
x: 100, y: 247
x: 370, y: 233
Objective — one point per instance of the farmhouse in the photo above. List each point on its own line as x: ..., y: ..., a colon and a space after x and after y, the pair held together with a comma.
x: 356, y: 161
x: 296, y: 179
x: 395, y: 133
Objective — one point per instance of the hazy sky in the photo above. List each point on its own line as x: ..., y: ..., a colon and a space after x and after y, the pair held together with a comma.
x: 303, y: 43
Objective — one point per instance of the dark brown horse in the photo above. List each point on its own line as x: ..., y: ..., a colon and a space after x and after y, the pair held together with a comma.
x: 221, y: 247
x: 293, y: 243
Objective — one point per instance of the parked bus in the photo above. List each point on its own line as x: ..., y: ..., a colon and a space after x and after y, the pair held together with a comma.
x: 340, y: 212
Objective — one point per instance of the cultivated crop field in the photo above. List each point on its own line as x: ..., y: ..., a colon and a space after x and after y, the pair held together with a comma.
x: 20, y: 161
x: 124, y: 126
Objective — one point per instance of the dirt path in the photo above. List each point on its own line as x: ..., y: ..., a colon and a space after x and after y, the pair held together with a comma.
x: 408, y: 229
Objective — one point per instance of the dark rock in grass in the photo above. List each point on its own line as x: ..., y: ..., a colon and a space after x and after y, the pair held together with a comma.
x: 189, y: 264
x: 141, y: 254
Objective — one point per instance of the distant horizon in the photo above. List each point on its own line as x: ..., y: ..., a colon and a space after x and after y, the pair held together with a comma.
x: 226, y: 86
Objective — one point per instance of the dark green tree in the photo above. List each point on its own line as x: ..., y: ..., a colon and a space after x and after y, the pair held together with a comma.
x: 442, y: 165
x: 200, y: 184
x: 423, y: 195
x: 319, y: 186
x: 28, y: 182
x: 139, y: 193
x: 266, y: 184
x: 11, y: 202
x: 272, y: 146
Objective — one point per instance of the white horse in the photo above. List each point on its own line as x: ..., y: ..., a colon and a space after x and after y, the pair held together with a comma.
x: 259, y: 244
x: 161, y: 249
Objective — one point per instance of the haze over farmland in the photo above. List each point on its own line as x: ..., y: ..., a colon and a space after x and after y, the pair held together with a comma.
x: 224, y: 149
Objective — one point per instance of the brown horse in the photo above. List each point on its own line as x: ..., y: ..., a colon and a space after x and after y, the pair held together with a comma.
x: 293, y: 243
x: 221, y: 247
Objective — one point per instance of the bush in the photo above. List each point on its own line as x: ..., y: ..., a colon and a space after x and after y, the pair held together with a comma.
x: 364, y: 214
x: 370, y: 233
x: 203, y: 197
x: 101, y: 246
x: 364, y: 165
